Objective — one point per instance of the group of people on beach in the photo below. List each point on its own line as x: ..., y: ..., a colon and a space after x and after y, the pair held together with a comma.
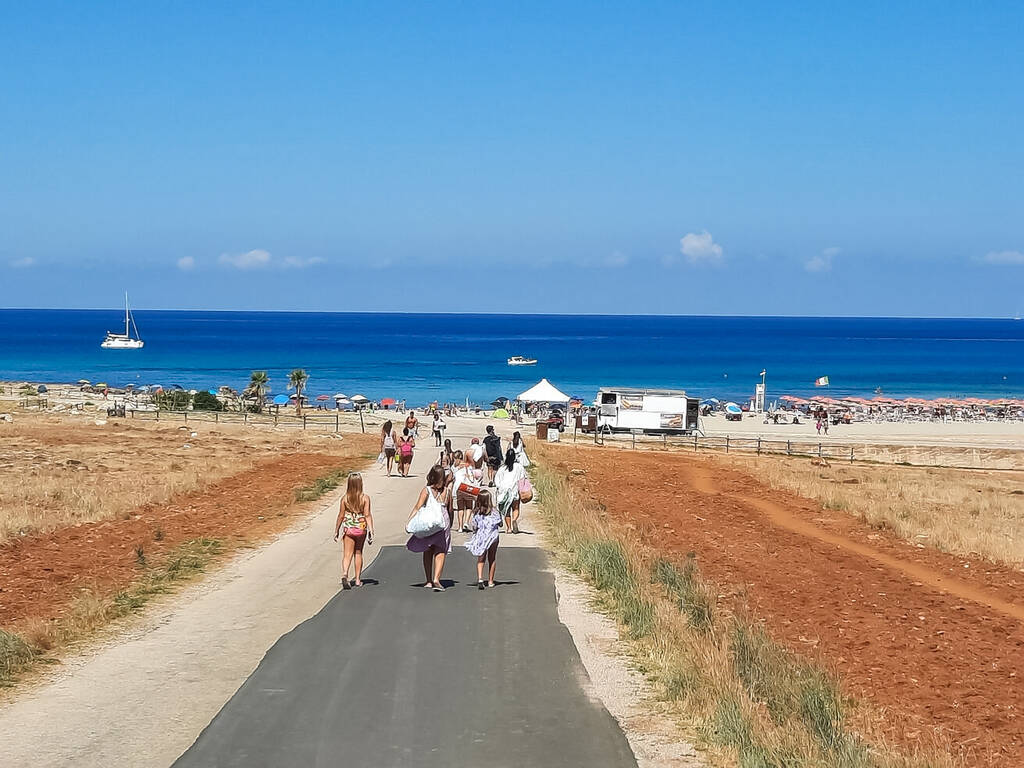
x: 478, y: 491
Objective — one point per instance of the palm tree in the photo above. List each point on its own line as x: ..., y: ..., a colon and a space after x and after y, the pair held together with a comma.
x: 258, y: 387
x: 297, y: 380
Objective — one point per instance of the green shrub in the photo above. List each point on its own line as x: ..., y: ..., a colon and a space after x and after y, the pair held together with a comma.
x: 204, y: 401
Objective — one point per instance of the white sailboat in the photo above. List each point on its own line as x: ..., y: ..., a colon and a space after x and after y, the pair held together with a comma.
x: 124, y: 340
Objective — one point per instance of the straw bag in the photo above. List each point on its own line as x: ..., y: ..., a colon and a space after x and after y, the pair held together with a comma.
x: 525, y: 491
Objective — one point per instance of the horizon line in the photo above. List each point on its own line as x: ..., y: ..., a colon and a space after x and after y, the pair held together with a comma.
x: 521, y: 314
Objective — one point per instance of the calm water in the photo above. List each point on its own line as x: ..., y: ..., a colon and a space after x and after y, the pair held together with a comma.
x: 452, y: 357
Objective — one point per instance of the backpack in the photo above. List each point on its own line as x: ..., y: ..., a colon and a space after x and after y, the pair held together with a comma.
x: 406, y: 448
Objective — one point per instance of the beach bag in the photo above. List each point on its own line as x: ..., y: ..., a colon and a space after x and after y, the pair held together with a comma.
x: 525, y: 490
x: 472, y: 490
x: 428, y: 520
x: 380, y: 458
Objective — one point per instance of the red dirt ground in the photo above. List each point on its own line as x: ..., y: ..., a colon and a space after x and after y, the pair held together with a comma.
x: 40, y: 575
x: 935, y: 641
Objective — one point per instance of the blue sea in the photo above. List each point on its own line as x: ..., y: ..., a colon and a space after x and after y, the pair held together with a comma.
x: 457, y: 357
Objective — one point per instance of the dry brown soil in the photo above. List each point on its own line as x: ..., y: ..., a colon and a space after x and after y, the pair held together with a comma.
x: 41, y: 574
x: 935, y: 641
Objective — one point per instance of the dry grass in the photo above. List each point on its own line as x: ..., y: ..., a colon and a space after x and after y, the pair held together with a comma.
x: 56, y: 472
x: 745, y: 698
x: 92, y: 610
x: 958, y: 511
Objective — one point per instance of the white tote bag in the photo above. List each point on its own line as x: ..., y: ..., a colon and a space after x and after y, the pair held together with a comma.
x: 429, y: 519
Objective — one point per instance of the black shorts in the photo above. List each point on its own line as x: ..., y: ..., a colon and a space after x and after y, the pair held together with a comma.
x: 493, y: 463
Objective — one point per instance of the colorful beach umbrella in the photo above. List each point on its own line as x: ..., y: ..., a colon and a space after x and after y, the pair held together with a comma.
x: 281, y: 400
x: 386, y: 401
x: 322, y: 398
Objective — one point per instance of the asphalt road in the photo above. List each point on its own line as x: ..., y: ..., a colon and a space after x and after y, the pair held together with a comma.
x: 393, y: 675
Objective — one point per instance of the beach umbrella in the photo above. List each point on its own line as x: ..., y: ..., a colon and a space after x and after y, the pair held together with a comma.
x: 360, y: 399
x: 173, y: 386
x: 345, y: 405
x: 212, y: 391
x: 733, y: 408
x: 340, y: 396
x: 500, y: 402
x: 281, y: 400
x: 101, y: 383
x: 41, y: 388
x: 84, y: 381
x: 386, y: 401
x: 322, y: 398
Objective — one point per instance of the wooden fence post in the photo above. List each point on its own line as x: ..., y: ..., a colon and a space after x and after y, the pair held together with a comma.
x: 789, y: 448
x: 695, y: 443
x: 819, y: 450
x: 851, y: 454
x: 337, y: 422
x: 726, y: 443
x: 759, y: 446
x: 303, y: 422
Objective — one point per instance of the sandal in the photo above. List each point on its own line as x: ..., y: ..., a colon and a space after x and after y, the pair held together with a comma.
x: 344, y: 583
x: 438, y: 588
x: 480, y: 584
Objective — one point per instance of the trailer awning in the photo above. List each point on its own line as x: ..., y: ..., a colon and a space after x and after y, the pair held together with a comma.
x: 543, y: 392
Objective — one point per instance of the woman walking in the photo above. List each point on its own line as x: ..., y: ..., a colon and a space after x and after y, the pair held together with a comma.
x: 387, y: 444
x: 436, y: 546
x: 506, y: 487
x: 484, y: 543
x: 448, y: 452
x: 355, y: 520
x: 405, y: 445
x: 520, y: 448
x: 467, y: 482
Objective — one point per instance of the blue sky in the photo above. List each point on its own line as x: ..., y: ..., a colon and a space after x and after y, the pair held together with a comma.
x: 707, y: 158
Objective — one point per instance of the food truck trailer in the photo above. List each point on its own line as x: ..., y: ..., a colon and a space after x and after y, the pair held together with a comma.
x: 649, y: 411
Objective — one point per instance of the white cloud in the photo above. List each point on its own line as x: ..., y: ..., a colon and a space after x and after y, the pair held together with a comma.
x: 616, y: 259
x: 823, y: 261
x: 1003, y: 257
x: 700, y: 247
x: 294, y: 262
x: 23, y: 263
x: 185, y: 263
x: 248, y: 260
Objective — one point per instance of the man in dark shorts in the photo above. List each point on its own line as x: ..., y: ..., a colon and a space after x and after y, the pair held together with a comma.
x: 492, y: 444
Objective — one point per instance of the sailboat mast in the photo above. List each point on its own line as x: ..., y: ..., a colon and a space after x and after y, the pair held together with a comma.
x: 126, y: 313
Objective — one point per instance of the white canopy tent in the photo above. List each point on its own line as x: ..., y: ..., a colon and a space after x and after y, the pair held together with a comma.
x: 543, y: 392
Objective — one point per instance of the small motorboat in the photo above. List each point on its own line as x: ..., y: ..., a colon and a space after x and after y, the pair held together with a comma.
x: 520, y: 360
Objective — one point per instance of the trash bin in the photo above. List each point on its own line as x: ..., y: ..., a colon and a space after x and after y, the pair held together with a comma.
x: 542, y: 430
